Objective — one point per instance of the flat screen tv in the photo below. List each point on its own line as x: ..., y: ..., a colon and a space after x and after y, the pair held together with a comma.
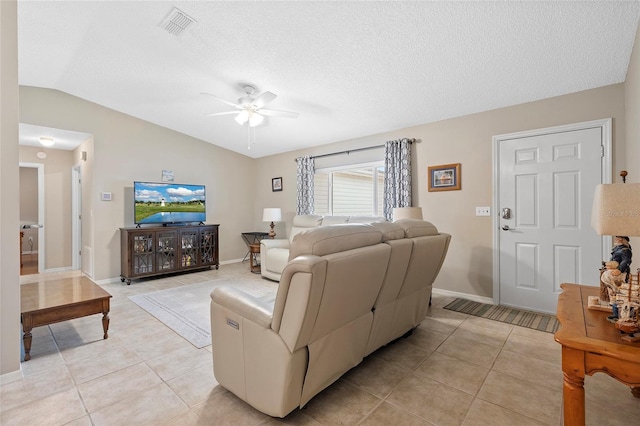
x: 168, y: 203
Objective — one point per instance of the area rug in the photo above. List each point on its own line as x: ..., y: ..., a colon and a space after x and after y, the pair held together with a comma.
x: 186, y: 309
x: 535, y: 320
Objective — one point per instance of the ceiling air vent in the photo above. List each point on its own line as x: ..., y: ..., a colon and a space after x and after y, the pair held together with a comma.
x: 176, y: 21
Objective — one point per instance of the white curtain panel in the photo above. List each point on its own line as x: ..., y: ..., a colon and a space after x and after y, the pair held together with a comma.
x: 304, y: 189
x: 397, y: 183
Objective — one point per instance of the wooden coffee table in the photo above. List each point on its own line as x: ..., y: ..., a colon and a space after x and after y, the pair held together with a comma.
x: 48, y: 302
x: 590, y: 344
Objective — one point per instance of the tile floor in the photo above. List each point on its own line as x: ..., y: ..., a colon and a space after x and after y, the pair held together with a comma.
x: 454, y: 370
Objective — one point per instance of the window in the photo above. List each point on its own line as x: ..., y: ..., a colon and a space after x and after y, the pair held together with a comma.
x: 355, y: 190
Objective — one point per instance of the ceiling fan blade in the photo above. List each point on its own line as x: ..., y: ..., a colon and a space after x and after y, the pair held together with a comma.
x: 233, y: 104
x: 278, y: 113
x: 220, y: 113
x: 263, y: 99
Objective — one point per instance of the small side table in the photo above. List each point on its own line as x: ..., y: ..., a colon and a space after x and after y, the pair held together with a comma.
x: 254, y: 252
x: 252, y: 238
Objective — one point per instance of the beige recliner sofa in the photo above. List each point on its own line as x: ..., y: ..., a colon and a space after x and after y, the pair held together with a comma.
x: 347, y: 290
x: 274, y: 254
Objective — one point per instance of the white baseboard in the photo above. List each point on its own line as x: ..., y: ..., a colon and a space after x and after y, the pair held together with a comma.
x: 472, y: 297
x: 105, y: 281
x: 62, y: 269
x: 11, y: 377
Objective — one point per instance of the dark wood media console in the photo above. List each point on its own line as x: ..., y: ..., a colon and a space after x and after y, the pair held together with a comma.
x: 161, y: 250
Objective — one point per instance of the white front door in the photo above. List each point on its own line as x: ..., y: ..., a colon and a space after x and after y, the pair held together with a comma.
x: 546, y: 181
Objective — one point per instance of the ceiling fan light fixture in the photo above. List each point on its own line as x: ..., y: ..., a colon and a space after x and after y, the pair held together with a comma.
x: 255, y: 119
x: 45, y: 141
x: 242, y: 117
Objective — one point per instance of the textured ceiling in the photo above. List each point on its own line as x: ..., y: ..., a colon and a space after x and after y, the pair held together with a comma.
x: 350, y: 69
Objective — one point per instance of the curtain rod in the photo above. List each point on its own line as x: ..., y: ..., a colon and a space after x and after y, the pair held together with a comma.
x: 349, y: 151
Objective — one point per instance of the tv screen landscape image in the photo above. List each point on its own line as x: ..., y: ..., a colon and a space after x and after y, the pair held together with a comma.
x: 167, y: 203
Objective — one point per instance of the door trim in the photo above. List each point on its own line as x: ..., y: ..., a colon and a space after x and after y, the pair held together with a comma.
x: 41, y: 238
x: 604, y: 124
x: 76, y: 230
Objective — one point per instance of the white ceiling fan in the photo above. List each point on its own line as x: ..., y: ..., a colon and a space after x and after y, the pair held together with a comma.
x: 251, y: 109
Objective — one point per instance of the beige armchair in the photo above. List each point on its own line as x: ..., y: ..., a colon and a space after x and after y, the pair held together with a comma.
x: 274, y: 254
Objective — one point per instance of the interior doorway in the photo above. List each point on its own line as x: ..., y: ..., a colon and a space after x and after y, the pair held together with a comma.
x: 32, y: 238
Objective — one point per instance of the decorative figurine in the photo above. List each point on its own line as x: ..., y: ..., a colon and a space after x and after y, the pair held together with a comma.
x: 620, y: 291
x: 611, y: 281
x: 618, y: 268
x: 622, y: 253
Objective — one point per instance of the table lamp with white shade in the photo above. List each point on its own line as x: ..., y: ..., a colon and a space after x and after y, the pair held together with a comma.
x: 407, y: 213
x: 272, y: 215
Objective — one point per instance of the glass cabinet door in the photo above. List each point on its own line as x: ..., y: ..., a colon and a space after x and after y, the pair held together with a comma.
x: 207, y: 247
x: 189, y: 248
x: 142, y: 253
x: 166, y: 250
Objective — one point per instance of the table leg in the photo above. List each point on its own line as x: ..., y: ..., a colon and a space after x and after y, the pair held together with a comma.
x: 105, y: 324
x: 573, y: 386
x: 573, y: 395
x: 635, y: 391
x: 27, y: 326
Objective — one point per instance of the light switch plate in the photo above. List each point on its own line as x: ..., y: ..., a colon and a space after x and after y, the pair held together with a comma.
x: 105, y: 196
x: 483, y: 211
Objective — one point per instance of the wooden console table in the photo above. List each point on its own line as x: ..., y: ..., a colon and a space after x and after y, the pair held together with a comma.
x: 48, y: 302
x: 590, y: 344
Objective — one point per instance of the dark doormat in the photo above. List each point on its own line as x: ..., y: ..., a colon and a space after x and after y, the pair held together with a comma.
x: 535, y: 320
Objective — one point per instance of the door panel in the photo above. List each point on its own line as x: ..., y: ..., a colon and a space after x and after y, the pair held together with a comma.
x: 547, y: 181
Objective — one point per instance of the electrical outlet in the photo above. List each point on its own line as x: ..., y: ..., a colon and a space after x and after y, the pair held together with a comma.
x: 483, y: 211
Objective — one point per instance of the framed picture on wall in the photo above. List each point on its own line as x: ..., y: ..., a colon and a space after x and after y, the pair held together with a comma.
x: 446, y: 177
x: 276, y: 184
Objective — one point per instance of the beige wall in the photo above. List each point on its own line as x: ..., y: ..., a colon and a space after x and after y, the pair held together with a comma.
x: 466, y: 140
x: 632, y: 113
x: 57, y: 203
x: 10, y: 198
x: 127, y: 149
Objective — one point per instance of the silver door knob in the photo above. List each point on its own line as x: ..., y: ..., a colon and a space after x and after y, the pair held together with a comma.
x: 505, y: 228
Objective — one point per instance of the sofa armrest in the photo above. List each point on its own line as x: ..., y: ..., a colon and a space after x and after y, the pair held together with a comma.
x: 244, y: 304
x: 269, y: 243
x: 274, y: 255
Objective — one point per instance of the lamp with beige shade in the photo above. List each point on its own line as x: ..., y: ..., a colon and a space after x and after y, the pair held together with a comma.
x: 616, y: 212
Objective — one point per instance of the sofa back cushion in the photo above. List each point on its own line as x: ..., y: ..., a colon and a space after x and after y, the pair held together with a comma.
x: 334, y: 220
x: 333, y: 239
x: 366, y: 219
x: 390, y: 230
x: 304, y: 222
x: 417, y: 228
